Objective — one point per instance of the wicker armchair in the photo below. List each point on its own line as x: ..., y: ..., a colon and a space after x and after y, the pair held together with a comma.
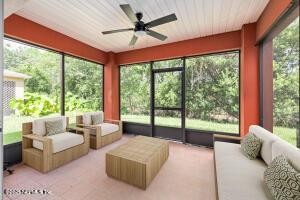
x: 45, y: 153
x: 101, y: 134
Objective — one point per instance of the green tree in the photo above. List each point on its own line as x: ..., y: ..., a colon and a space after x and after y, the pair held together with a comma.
x: 286, y: 76
x: 212, y: 87
x: 135, y: 89
x: 83, y: 80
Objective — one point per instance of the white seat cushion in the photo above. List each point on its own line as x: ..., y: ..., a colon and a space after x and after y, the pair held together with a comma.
x: 292, y: 153
x: 87, y: 117
x: 61, y: 141
x: 238, y: 178
x: 106, y: 128
x: 39, y: 127
x: 268, y: 138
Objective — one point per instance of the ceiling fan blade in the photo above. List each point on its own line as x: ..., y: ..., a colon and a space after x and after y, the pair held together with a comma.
x: 133, y: 40
x: 117, y: 31
x: 162, y: 20
x: 129, y: 12
x: 157, y: 35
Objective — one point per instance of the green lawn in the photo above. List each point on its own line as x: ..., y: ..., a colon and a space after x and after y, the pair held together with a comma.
x: 288, y: 134
x: 190, y: 123
x: 13, y: 126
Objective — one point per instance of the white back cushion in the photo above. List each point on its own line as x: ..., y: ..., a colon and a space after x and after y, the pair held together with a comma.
x: 292, y: 153
x: 268, y: 138
x: 39, y: 128
x: 87, y: 119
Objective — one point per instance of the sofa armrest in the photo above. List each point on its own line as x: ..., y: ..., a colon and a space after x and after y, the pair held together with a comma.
x: 227, y: 138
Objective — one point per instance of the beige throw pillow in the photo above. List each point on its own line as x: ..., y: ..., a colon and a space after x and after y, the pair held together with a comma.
x: 96, y: 119
x: 54, y: 127
x: 251, y: 146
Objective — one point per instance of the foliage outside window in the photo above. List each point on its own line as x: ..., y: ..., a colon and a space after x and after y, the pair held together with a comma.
x: 83, y: 87
x: 31, y: 86
x: 167, y: 64
x: 168, y: 93
x: 286, y: 82
x: 212, y: 92
x: 168, y: 89
x: 135, y: 93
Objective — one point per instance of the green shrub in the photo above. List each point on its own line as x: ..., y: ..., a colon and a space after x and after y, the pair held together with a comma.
x: 35, y: 105
x: 75, y: 102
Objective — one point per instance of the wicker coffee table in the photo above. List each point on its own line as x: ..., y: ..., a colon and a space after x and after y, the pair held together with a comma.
x: 137, y: 161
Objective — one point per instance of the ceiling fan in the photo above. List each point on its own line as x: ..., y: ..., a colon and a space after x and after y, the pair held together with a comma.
x: 141, y: 28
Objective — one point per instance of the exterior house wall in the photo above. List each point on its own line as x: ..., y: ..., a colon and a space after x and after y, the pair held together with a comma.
x: 19, y: 86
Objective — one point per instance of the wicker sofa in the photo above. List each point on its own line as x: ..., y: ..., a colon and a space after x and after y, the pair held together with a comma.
x: 101, y: 134
x: 45, y: 153
x: 239, y: 178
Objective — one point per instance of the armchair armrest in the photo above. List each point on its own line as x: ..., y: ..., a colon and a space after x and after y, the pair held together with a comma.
x: 86, y: 125
x: 75, y: 129
x: 79, y: 130
x: 47, y: 143
x: 112, y: 121
x: 82, y: 125
x: 36, y: 137
x: 90, y: 128
x: 227, y: 138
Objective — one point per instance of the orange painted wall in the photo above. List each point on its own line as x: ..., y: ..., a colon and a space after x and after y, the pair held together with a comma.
x: 249, y: 79
x: 270, y: 15
x: 26, y: 30
x: 111, y: 88
x: 203, y: 45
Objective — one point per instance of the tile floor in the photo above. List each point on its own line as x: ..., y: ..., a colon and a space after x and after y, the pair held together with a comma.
x: 187, y: 174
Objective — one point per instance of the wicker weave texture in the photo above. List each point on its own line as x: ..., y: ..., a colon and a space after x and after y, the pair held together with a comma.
x: 138, y: 161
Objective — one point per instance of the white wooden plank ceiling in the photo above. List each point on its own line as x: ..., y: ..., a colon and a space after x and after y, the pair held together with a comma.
x: 12, y: 6
x: 84, y: 20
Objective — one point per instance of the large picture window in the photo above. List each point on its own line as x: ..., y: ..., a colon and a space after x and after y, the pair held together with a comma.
x: 31, y: 86
x: 135, y: 93
x: 212, y: 92
x: 286, y: 82
x: 83, y: 87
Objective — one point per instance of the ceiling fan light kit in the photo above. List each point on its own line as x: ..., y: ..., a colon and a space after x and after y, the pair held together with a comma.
x: 140, y: 28
x: 140, y: 33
